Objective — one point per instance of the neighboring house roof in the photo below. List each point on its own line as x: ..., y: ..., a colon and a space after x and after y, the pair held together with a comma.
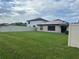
x: 37, y: 19
x: 55, y: 22
x: 75, y: 23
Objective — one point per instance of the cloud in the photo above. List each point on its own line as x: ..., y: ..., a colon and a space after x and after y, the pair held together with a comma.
x: 6, y: 0
x: 50, y: 9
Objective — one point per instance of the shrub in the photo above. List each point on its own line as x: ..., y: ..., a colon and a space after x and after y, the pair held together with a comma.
x: 67, y: 32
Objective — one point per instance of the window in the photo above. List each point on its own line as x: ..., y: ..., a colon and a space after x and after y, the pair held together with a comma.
x: 41, y: 27
x: 34, y: 26
x: 28, y: 22
x: 51, y: 28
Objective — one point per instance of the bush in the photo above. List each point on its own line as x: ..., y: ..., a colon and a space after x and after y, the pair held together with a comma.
x: 67, y: 32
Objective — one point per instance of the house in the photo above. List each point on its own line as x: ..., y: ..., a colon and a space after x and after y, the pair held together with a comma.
x: 34, y: 22
x: 73, y: 39
x: 53, y: 26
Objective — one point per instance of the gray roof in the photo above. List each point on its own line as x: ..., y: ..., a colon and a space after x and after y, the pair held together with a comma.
x: 38, y: 19
x: 55, y: 22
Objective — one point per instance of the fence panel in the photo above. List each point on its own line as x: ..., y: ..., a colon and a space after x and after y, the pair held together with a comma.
x: 15, y: 28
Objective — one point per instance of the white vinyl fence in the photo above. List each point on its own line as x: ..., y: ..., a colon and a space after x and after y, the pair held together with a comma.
x: 73, y: 35
x: 15, y: 28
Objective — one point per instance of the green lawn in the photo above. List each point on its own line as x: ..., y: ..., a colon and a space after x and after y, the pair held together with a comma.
x: 36, y: 45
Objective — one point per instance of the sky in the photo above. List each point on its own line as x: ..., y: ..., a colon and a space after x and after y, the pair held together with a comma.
x: 22, y: 10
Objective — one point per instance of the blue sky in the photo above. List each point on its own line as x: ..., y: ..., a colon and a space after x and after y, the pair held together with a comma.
x: 22, y: 10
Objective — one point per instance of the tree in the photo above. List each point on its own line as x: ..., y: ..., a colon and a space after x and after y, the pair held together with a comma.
x: 19, y: 24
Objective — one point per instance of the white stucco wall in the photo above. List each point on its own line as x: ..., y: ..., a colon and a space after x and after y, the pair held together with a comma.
x: 73, y: 35
x: 45, y: 28
x: 58, y: 29
x: 68, y: 28
x: 35, y: 23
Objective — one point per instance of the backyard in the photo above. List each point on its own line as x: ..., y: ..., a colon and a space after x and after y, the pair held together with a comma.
x: 36, y: 45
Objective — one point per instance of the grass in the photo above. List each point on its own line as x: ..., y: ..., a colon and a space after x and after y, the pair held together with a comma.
x: 36, y: 45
